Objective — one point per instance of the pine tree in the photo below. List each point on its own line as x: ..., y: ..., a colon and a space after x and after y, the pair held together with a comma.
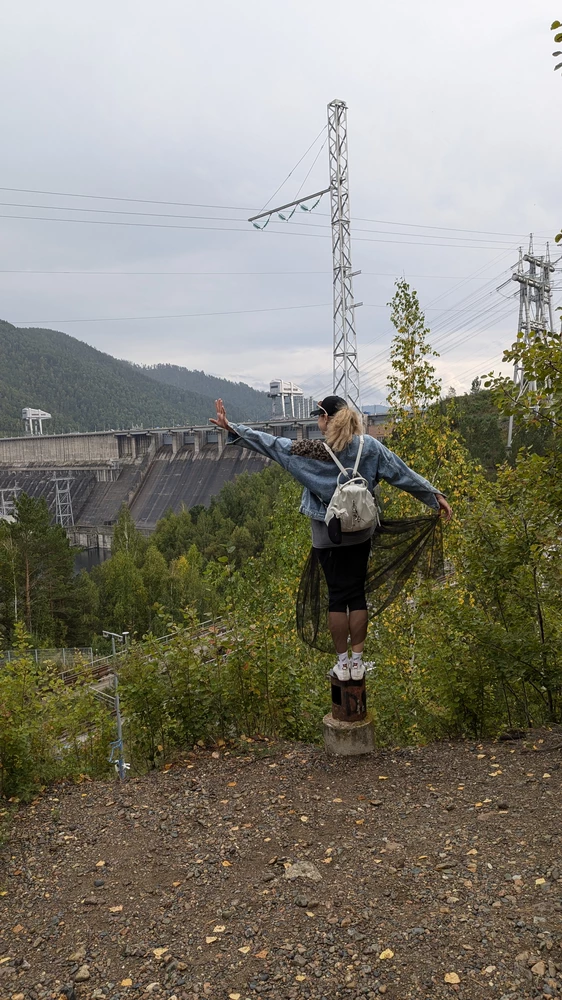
x: 36, y: 573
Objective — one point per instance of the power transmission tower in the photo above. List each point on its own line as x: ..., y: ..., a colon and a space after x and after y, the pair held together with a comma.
x: 345, y: 361
x: 63, y: 501
x: 346, y: 368
x: 535, y: 313
x: 8, y: 498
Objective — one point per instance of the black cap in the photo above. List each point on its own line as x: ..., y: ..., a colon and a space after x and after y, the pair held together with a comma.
x: 329, y: 406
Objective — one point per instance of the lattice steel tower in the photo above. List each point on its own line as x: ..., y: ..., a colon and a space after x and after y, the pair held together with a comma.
x: 346, y: 367
x: 535, y: 312
x: 63, y: 501
x: 8, y: 500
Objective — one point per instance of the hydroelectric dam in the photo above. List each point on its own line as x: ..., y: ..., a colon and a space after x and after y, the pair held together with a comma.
x: 85, y: 478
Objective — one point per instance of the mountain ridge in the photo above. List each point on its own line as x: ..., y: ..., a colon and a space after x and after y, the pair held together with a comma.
x: 85, y: 389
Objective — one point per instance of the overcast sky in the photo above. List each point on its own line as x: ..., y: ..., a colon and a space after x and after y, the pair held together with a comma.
x: 455, y: 155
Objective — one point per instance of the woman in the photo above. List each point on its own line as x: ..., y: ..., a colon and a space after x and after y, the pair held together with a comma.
x: 344, y: 562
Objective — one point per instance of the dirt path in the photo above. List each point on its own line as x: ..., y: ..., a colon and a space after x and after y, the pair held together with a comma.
x: 422, y: 864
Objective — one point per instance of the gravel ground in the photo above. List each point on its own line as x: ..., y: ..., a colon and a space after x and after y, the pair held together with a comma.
x: 412, y: 873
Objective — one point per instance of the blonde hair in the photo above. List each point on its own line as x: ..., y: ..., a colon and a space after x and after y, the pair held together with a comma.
x: 341, y: 428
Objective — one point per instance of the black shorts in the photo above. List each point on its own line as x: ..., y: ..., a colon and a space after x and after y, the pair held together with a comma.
x: 345, y: 570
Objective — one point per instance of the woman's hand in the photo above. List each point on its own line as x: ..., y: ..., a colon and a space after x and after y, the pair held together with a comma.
x: 221, y: 420
x: 444, y: 506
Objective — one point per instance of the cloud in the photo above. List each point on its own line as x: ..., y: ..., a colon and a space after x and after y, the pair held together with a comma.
x: 212, y: 105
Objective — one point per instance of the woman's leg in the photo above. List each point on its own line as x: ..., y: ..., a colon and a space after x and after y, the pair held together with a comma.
x: 345, y: 570
x: 358, y: 622
x: 358, y: 615
x: 338, y: 624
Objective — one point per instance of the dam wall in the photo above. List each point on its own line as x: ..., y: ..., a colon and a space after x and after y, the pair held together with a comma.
x: 151, y: 471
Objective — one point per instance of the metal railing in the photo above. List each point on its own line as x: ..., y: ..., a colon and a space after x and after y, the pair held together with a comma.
x: 102, y: 666
x: 66, y: 657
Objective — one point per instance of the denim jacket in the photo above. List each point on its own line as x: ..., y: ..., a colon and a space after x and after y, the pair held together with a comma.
x: 319, y: 478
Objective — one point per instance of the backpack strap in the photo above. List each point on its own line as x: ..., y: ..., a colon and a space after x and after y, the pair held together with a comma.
x: 359, y: 453
x: 338, y: 463
x: 336, y: 460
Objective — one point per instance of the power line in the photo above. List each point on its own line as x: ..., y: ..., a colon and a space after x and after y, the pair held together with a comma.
x: 473, y: 275
x: 380, y: 371
x: 491, y: 311
x: 450, y: 229
x: 246, y: 208
x: 116, y: 319
x: 380, y: 274
x: 163, y: 273
x: 232, y: 229
x: 136, y: 201
x: 213, y: 218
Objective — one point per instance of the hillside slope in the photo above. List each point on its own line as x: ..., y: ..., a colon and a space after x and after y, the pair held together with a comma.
x: 255, y: 405
x: 215, y: 845
x: 85, y: 389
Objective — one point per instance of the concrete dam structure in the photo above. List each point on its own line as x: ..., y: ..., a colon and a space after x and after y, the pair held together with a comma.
x: 85, y: 478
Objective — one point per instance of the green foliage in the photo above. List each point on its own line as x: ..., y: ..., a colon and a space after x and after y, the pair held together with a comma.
x: 85, y: 389
x: 123, y: 596
x: 47, y: 730
x: 251, y: 675
x: 155, y: 577
x: 187, y: 561
x: 537, y: 409
x: 127, y: 538
x: 484, y: 650
x: 174, y: 534
x: 37, y: 585
x: 188, y: 583
x: 476, y: 419
x: 412, y: 384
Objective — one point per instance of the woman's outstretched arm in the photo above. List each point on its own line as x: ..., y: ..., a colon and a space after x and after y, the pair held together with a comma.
x: 221, y: 420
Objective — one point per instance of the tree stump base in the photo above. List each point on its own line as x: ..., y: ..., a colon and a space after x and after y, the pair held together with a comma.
x: 348, y: 739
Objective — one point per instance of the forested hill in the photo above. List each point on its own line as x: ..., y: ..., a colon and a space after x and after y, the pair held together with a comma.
x: 255, y: 405
x: 85, y: 389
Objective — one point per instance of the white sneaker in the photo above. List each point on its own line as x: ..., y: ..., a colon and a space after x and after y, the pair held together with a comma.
x: 357, y: 671
x: 342, y: 672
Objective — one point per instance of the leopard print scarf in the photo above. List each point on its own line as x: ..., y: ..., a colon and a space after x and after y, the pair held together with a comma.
x: 310, y: 449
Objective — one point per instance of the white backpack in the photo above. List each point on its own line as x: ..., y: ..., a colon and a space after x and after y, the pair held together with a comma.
x: 352, y: 503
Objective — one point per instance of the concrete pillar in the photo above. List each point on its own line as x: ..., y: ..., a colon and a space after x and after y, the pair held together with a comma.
x: 348, y: 739
x: 196, y: 442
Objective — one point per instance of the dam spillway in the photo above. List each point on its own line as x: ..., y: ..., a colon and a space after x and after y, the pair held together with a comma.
x: 152, y: 471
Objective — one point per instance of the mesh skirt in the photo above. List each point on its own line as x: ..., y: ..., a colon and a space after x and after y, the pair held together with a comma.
x: 398, y: 548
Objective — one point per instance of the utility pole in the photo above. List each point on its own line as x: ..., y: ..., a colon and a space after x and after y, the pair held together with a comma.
x: 345, y: 361
x: 346, y: 368
x: 535, y: 313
